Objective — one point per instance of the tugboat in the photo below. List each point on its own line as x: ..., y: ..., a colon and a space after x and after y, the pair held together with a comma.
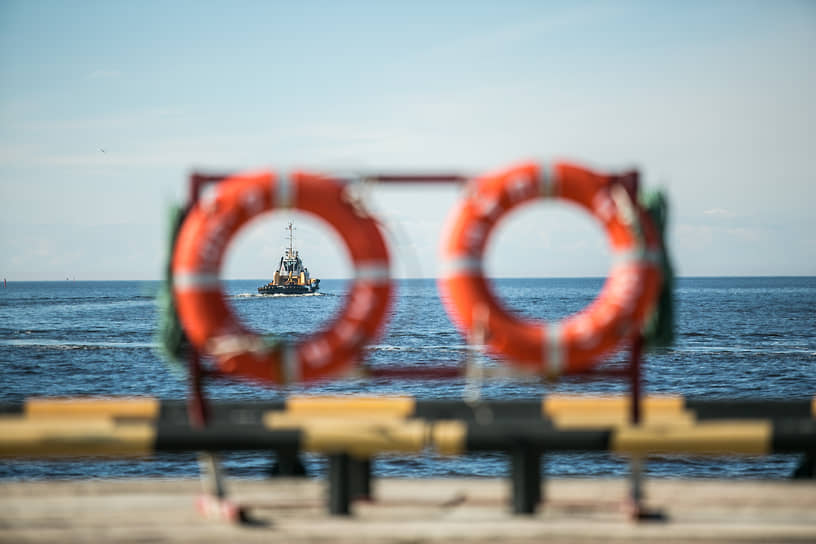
x: 291, y: 277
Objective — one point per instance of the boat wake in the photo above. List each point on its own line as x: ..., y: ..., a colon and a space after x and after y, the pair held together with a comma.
x: 275, y: 295
x: 54, y: 344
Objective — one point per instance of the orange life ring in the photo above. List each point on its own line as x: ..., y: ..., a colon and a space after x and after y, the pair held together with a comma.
x: 582, y: 339
x: 214, y: 329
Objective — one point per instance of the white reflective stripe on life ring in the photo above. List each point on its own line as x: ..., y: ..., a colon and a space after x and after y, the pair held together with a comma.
x: 193, y: 281
x: 553, y: 352
x: 373, y: 272
x: 290, y: 363
x: 466, y: 265
x: 546, y: 181
x: 640, y: 255
x: 284, y: 192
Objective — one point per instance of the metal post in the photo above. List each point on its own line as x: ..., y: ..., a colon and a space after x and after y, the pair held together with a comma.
x: 637, y: 464
x: 360, y: 474
x: 196, y: 406
x: 339, y: 484
x: 634, y: 368
x: 213, y: 503
x: 525, y: 475
x: 288, y: 464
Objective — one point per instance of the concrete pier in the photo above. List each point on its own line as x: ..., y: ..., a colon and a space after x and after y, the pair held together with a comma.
x: 441, y: 510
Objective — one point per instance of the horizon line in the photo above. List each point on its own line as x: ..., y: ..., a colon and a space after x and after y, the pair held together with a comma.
x: 434, y: 278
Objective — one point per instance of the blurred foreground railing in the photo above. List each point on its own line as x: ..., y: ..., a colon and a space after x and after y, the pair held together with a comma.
x: 353, y: 430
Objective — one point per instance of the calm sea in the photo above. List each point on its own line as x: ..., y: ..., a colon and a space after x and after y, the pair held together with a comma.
x: 736, y: 338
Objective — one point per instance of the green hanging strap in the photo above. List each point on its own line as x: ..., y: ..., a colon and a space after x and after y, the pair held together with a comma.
x: 174, y: 346
x: 658, y: 331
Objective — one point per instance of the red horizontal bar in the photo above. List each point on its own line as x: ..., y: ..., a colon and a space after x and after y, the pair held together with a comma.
x: 197, y: 177
x: 415, y: 372
x: 205, y: 178
x: 416, y: 178
x: 198, y: 180
x: 428, y: 372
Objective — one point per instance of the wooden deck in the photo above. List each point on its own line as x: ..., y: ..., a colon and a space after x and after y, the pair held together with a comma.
x: 408, y: 511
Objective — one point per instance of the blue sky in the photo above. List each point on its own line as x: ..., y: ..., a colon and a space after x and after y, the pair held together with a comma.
x: 712, y: 101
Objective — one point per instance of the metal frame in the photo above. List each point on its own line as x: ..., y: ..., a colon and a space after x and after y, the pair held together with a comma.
x: 525, y: 461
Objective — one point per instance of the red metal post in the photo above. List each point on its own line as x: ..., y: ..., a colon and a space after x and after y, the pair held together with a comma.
x: 197, y: 409
x: 634, y: 376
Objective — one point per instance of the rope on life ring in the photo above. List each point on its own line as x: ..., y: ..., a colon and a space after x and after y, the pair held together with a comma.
x: 214, y: 329
x: 581, y: 340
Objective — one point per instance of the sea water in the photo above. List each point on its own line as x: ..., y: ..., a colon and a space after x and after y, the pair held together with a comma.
x: 736, y: 338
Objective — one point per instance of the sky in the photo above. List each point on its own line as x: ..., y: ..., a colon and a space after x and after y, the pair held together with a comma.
x: 711, y: 101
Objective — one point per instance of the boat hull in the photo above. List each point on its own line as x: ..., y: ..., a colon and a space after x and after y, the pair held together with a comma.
x: 286, y: 289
